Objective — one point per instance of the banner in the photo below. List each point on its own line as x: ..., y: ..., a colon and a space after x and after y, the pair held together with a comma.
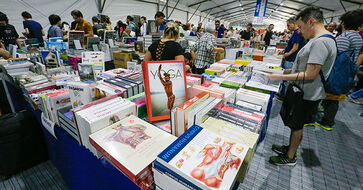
x: 260, y: 11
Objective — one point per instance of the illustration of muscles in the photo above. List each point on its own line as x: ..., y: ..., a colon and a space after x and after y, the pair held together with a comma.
x: 217, y: 160
x: 130, y: 135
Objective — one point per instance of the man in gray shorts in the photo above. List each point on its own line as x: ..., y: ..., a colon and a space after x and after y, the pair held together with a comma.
x: 318, y: 54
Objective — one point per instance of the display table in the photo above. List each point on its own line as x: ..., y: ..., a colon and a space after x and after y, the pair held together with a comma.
x: 79, y: 168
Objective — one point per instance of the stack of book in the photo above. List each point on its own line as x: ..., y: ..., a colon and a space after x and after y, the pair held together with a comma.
x: 140, y: 102
x: 54, y: 101
x: 97, y: 115
x: 31, y: 79
x: 215, y: 71
x: 197, y: 89
x: 199, y: 159
x: 133, y: 87
x: 245, y: 96
x: 181, y: 113
x: 66, y: 121
x: 131, y: 145
x: 17, y: 66
x: 193, y: 80
x: 121, y: 72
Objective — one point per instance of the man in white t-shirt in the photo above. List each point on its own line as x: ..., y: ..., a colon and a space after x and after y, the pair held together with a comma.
x: 318, y: 54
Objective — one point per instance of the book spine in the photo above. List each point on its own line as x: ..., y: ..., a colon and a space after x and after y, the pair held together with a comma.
x: 173, y: 175
x: 171, y: 151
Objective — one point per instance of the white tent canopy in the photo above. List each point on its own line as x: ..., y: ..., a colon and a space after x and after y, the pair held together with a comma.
x: 230, y: 12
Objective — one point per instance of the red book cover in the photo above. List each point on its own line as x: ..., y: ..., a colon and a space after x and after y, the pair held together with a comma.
x: 165, y: 87
x: 196, y: 76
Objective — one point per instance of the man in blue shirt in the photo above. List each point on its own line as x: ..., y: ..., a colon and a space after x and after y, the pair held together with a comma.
x: 159, y: 17
x: 55, y: 30
x: 32, y: 28
x: 294, y: 45
x: 219, y: 29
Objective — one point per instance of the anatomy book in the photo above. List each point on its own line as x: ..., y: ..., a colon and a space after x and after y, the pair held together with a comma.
x: 204, y: 158
x: 165, y: 87
x: 131, y: 145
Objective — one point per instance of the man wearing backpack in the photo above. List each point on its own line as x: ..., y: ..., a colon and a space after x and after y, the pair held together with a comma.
x: 349, y: 42
x: 317, y: 55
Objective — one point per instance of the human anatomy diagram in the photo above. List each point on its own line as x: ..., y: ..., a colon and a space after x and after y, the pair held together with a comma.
x: 130, y: 135
x: 217, y: 160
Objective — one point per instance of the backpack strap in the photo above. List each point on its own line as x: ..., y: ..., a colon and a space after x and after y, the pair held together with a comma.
x: 321, y: 72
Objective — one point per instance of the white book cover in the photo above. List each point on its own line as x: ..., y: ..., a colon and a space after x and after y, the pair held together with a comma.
x: 80, y: 93
x: 55, y: 101
x: 201, y: 116
x: 131, y: 145
x: 197, y: 109
x: 101, y: 118
x: 204, y: 158
x: 253, y: 97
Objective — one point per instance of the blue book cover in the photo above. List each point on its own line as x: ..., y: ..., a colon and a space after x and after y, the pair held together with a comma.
x: 55, y: 39
x: 204, y: 158
x: 51, y: 59
x: 57, y: 46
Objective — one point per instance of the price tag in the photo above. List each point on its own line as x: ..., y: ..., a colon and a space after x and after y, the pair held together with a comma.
x: 48, y: 125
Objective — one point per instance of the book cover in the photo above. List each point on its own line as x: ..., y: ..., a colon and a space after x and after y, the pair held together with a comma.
x: 93, y: 42
x: 131, y: 145
x: 204, y: 158
x: 57, y: 46
x: 85, y: 71
x: 55, y: 101
x: 139, y: 46
x: 50, y: 59
x: 97, y: 59
x: 152, y: 27
x: 75, y: 35
x: 197, y: 109
x: 80, y: 93
x: 165, y: 87
x: 109, y: 35
x: 254, y: 97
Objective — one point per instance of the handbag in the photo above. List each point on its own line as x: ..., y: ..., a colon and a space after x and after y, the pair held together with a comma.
x: 291, y: 111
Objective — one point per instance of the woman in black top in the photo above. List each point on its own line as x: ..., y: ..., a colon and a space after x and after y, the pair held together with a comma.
x: 166, y: 48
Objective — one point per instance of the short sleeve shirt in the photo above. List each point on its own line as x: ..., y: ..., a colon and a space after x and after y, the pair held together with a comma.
x: 204, y: 50
x: 245, y: 35
x: 171, y: 50
x: 132, y: 26
x: 321, y: 51
x: 220, y: 31
x: 8, y: 35
x: 54, y: 31
x: 295, y: 38
x: 351, y: 43
x: 84, y: 26
x: 35, y: 30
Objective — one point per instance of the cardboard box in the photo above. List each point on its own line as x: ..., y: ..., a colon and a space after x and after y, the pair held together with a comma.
x: 120, y: 59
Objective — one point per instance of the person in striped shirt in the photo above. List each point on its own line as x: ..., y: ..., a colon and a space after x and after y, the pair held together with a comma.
x: 350, y: 42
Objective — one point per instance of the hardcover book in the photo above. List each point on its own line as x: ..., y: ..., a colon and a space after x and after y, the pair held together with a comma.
x: 51, y: 59
x: 203, y: 158
x: 80, y: 93
x: 183, y: 110
x: 165, y: 87
x: 97, y: 60
x: 131, y: 145
x: 75, y: 35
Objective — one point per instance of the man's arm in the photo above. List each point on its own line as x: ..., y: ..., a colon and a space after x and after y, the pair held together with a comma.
x: 148, y: 56
x: 359, y: 60
x: 27, y: 31
x: 5, y: 54
x: 295, y: 47
x: 43, y: 34
x: 312, y: 71
x: 18, y: 43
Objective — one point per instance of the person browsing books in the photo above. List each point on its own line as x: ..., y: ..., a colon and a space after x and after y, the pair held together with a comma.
x: 318, y: 54
x: 55, y: 30
x: 166, y: 48
x: 3, y: 52
x: 205, y: 49
x: 8, y: 34
x: 82, y: 25
x: 32, y: 28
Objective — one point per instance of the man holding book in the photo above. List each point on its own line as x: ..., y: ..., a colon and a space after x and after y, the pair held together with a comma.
x: 82, y: 25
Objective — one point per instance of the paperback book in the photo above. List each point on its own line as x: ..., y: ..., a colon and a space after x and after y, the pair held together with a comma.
x: 97, y: 60
x: 165, y: 87
x: 74, y: 38
x: 51, y: 59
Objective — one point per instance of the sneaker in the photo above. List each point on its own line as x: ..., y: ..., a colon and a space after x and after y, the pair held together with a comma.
x: 326, y: 127
x: 356, y: 101
x: 283, y: 160
x: 281, y: 149
x: 310, y: 124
